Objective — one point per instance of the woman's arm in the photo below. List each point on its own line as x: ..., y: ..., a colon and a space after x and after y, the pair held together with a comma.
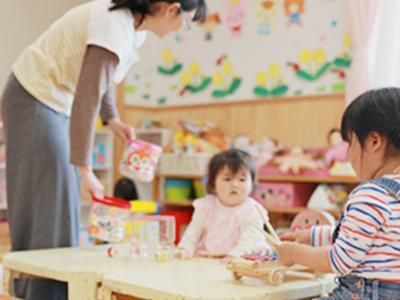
x: 94, y: 81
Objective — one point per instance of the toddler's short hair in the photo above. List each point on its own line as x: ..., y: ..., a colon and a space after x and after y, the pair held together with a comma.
x: 235, y: 160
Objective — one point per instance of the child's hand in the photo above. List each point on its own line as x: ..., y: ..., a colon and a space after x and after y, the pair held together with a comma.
x: 300, y: 236
x: 184, y: 254
x: 285, y: 253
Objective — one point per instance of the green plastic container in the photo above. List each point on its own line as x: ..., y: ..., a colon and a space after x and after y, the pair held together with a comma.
x: 178, y: 189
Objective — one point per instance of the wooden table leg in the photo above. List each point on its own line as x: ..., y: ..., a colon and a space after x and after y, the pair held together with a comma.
x: 7, y: 281
x: 104, y: 294
x: 83, y: 287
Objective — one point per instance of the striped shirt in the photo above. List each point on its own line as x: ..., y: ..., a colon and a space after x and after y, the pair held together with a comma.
x: 368, y: 244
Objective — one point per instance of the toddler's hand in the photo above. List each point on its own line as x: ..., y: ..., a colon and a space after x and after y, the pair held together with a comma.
x: 285, y: 253
x: 300, y: 236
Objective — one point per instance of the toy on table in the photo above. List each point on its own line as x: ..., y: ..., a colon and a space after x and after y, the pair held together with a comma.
x: 153, y: 237
x: 108, y: 218
x: 112, y: 252
x: 139, y: 160
x: 266, y: 267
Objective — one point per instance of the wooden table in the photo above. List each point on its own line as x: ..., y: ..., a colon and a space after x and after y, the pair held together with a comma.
x: 91, y: 274
x: 200, y: 279
x: 81, y: 268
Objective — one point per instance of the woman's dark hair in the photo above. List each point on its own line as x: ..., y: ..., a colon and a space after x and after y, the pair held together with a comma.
x: 235, y: 160
x: 376, y: 110
x: 144, y: 7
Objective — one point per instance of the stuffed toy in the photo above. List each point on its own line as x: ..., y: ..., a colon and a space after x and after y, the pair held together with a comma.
x: 296, y: 160
x: 261, y: 152
x: 337, y: 151
x: 311, y: 217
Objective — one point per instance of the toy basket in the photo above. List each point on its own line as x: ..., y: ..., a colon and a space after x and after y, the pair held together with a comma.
x: 184, y: 163
x: 108, y: 219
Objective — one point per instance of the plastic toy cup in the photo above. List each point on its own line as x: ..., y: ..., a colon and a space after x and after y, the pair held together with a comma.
x: 153, y: 237
x: 108, y: 218
x: 139, y: 160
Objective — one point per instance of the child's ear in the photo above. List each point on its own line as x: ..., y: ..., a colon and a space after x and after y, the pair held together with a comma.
x: 173, y: 8
x: 376, y: 141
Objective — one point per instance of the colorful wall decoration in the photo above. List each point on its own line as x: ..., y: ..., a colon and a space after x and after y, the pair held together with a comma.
x: 246, y: 50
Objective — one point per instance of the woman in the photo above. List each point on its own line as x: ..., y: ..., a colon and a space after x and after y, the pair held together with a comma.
x: 57, y: 88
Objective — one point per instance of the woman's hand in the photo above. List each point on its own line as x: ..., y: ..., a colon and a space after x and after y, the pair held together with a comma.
x: 122, y: 130
x: 90, y: 182
x: 300, y: 236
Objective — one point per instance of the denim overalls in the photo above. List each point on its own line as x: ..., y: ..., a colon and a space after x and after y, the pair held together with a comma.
x: 352, y: 287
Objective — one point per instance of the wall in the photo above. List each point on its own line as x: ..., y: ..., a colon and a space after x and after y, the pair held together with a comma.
x: 255, y: 51
x: 302, y: 121
x: 21, y: 22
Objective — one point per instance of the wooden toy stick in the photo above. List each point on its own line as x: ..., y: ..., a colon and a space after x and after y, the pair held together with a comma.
x: 268, y: 224
x: 268, y: 237
x: 299, y: 274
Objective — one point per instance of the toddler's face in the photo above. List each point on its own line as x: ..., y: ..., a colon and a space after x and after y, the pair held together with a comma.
x: 233, y: 189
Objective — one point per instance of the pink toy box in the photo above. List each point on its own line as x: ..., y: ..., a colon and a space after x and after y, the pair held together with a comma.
x: 284, y: 194
x: 140, y: 160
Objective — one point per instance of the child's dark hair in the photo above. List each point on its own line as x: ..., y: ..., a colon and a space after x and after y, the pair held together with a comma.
x: 144, y: 7
x: 376, y: 110
x: 235, y: 160
x: 125, y: 189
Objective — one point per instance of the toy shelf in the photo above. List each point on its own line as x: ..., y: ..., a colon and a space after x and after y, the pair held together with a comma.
x: 309, y: 179
x: 180, y: 203
x: 279, y: 178
x: 181, y: 176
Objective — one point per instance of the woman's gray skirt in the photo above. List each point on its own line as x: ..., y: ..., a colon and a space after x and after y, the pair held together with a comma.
x: 43, y: 190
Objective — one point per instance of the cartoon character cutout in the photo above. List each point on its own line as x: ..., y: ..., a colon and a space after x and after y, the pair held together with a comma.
x: 270, y: 82
x: 225, y: 79
x: 265, y: 15
x: 194, y: 80
x: 142, y: 161
x: 235, y: 16
x: 294, y: 9
x: 268, y: 197
x: 170, y: 64
x: 209, y: 25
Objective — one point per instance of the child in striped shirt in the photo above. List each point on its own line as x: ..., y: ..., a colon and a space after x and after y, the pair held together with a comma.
x: 363, y: 249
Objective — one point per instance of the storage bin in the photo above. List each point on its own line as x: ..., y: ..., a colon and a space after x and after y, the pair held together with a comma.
x: 178, y: 189
x: 184, y: 163
x: 284, y: 194
x: 108, y: 218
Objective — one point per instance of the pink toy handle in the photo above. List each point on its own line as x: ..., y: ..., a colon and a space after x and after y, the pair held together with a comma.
x: 141, y: 144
